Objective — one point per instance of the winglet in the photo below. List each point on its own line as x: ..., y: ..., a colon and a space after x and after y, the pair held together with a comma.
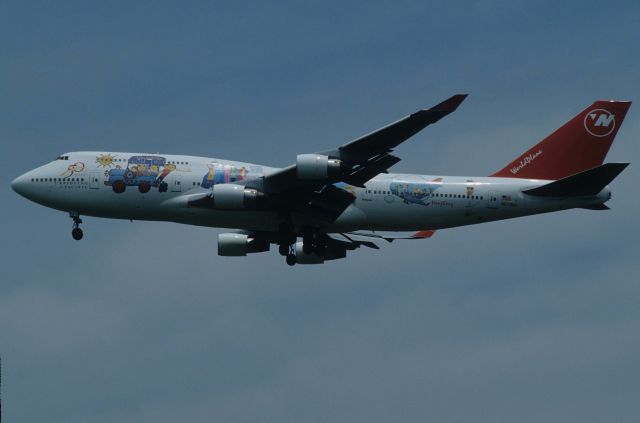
x: 450, y: 104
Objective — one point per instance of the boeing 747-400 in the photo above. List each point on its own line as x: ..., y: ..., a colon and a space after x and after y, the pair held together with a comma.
x: 331, y: 202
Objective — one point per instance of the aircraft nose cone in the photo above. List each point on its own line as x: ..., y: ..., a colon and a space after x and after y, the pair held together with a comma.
x: 19, y: 184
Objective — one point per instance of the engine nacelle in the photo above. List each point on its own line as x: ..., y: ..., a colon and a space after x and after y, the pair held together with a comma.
x: 317, y: 166
x: 233, y: 197
x: 302, y: 258
x: 234, y: 245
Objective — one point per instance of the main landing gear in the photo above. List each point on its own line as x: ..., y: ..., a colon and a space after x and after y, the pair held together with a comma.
x: 312, y: 242
x: 76, y: 232
x: 288, y: 250
x: 286, y: 243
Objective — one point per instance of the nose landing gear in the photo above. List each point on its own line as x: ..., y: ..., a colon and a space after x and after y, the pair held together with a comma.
x: 76, y: 232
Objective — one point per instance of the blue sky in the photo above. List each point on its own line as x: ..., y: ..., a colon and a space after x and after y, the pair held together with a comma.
x: 534, y: 319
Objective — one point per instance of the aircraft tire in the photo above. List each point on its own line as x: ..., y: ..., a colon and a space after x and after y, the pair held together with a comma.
x: 291, y: 259
x: 283, y: 249
x: 77, y: 234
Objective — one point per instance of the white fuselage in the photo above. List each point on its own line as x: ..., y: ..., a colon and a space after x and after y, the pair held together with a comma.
x: 83, y: 182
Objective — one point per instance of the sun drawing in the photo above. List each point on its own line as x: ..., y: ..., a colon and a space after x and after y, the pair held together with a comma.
x: 104, y: 160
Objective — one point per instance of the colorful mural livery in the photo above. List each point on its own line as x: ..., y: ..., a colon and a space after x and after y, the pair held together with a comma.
x: 144, y: 172
x: 346, y: 187
x: 223, y: 174
x: 105, y: 160
x: 72, y: 169
x: 415, y: 193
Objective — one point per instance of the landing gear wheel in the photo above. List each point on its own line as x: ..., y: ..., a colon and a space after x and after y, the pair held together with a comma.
x: 77, y: 234
x: 291, y: 259
x: 283, y: 249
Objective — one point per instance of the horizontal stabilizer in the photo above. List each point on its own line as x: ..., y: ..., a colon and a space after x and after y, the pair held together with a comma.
x: 589, y: 182
x: 600, y: 206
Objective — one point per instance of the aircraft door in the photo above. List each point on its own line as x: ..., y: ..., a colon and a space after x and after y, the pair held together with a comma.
x: 94, y: 179
x: 492, y: 200
x: 176, y: 183
x: 366, y: 194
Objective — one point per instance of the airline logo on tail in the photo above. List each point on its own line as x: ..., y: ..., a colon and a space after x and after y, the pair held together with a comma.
x: 599, y: 122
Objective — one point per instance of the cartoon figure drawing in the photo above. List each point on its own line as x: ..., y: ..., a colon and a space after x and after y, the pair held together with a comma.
x: 415, y: 193
x: 223, y: 174
x: 143, y: 172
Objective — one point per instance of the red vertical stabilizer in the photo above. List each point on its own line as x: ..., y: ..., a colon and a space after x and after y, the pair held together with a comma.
x: 578, y: 145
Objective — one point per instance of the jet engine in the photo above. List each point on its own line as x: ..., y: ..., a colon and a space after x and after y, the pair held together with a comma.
x: 234, y: 245
x: 233, y: 197
x: 317, y: 166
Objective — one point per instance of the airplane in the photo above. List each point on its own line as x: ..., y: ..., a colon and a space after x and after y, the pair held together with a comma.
x: 335, y: 201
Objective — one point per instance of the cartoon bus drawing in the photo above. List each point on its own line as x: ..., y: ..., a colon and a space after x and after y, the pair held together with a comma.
x: 141, y: 171
x: 223, y: 174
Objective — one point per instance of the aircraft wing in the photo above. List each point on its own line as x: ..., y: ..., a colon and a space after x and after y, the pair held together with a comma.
x: 363, y: 158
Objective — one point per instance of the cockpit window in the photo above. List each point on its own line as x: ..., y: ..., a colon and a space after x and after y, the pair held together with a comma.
x: 62, y: 158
